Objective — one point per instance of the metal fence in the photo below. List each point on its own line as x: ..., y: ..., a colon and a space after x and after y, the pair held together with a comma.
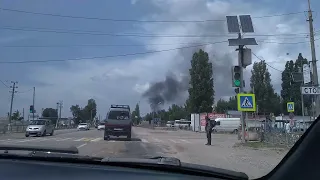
x: 281, y: 138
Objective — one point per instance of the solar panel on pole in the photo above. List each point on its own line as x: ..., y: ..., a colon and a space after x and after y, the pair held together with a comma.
x: 233, y: 24
x: 246, y: 24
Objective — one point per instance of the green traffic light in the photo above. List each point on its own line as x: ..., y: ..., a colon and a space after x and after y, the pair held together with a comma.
x: 236, y: 83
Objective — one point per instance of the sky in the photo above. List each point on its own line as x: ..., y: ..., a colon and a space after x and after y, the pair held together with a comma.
x: 114, y: 51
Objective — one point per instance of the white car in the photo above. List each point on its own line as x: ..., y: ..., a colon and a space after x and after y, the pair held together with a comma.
x: 83, y: 126
x: 101, y: 126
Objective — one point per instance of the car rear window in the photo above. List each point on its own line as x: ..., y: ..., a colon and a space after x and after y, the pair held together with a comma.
x: 119, y: 115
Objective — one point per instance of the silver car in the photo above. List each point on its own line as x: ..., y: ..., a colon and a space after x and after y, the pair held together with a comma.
x: 40, y: 128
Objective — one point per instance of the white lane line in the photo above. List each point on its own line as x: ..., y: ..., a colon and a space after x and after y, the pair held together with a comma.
x: 172, y: 140
x: 186, y: 141
x: 82, y: 145
x: 80, y: 139
x: 96, y: 139
x: 144, y: 140
x: 28, y: 140
x: 157, y: 140
x: 63, y: 139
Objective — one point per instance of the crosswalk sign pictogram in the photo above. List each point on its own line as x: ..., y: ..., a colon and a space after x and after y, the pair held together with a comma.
x: 290, y: 106
x: 246, y: 102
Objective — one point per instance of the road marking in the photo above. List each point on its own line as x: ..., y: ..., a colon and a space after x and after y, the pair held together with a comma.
x: 82, y: 145
x: 63, y: 139
x: 144, y: 140
x: 186, y: 141
x: 96, y: 139
x: 28, y: 140
x: 86, y: 139
x: 173, y: 141
x: 157, y: 140
x: 80, y: 139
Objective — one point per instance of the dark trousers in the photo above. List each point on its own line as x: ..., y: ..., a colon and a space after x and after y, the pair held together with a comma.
x: 208, y: 137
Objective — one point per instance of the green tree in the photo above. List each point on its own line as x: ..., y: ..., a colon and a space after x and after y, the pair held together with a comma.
x: 223, y: 106
x: 135, y: 115
x: 16, y: 116
x: 260, y: 83
x: 291, y: 91
x: 86, y: 114
x: 50, y: 112
x: 76, y: 113
x: 201, y: 92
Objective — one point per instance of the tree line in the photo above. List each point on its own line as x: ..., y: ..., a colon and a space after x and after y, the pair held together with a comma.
x: 201, y: 91
x: 267, y: 100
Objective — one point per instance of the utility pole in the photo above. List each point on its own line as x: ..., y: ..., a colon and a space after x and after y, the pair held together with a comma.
x: 57, y: 114
x: 12, y: 96
x: 60, y: 106
x: 313, y: 57
x: 23, y: 113
x: 34, y: 95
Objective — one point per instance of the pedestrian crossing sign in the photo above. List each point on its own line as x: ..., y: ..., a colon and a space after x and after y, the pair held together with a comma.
x: 290, y: 106
x: 246, y: 102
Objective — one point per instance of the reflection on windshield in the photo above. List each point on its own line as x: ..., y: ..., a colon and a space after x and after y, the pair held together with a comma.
x: 120, y: 115
x: 37, y: 122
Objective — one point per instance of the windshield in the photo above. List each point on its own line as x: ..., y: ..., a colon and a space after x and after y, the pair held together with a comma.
x: 37, y: 122
x: 140, y: 78
x: 119, y: 115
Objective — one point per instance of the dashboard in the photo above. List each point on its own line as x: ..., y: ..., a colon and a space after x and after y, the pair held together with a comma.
x: 34, y: 170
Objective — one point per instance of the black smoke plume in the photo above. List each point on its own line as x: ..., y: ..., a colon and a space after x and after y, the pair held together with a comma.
x: 166, y: 91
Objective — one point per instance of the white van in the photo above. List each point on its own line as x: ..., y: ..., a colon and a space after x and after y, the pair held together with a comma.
x: 227, y: 125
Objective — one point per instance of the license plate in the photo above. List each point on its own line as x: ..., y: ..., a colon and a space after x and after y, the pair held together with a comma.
x: 118, y: 129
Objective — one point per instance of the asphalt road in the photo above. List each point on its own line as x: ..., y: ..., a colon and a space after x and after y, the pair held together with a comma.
x: 186, y: 145
x: 89, y: 143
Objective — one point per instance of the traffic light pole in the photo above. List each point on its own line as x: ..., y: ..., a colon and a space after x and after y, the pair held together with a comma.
x: 240, y: 61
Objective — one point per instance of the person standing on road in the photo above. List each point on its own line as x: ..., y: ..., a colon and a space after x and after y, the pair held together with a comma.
x: 209, y: 128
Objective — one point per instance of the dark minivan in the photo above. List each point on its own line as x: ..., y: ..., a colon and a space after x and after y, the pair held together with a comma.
x: 118, y: 122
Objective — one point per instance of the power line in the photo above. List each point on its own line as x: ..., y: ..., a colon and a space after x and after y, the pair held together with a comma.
x: 98, y: 33
x: 265, y: 62
x: 137, y: 45
x: 119, y: 55
x: 142, y: 45
x: 4, y: 84
x: 135, y: 20
x: 26, y: 91
x: 109, y: 56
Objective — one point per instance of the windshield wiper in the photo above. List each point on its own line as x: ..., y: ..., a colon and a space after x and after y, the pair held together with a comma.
x: 160, y: 160
x: 70, y: 150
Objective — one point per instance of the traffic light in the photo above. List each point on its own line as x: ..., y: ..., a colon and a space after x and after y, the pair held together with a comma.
x: 31, y: 110
x: 236, y: 70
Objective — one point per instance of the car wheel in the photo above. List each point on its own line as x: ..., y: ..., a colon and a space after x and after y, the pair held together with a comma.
x: 129, y: 136
x: 44, y: 133
x: 27, y: 135
x: 106, y: 138
x: 51, y: 134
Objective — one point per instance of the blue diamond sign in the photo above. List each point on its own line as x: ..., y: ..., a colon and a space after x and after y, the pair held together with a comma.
x: 290, y: 106
x: 246, y: 102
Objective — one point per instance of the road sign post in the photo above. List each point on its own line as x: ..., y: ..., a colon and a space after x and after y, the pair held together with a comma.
x: 290, y: 107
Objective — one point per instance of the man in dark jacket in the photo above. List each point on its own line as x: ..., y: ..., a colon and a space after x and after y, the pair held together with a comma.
x: 209, y: 125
